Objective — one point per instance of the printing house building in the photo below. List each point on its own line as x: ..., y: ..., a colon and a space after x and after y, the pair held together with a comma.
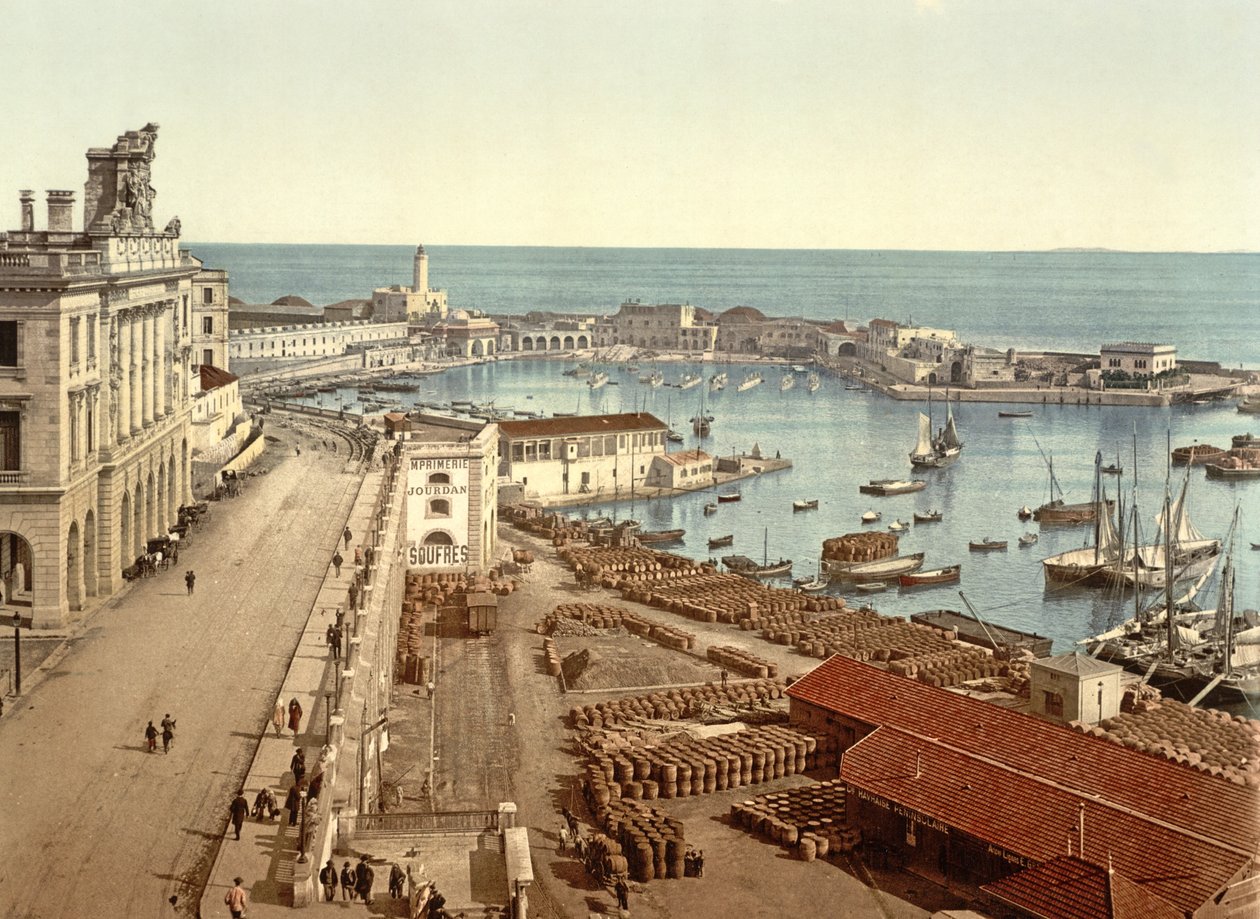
x: 452, y: 493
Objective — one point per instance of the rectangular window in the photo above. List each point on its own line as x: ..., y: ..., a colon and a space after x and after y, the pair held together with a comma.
x: 518, y: 453
x: 91, y: 341
x: 74, y: 340
x: 207, y: 357
x: 8, y: 344
x: 207, y: 295
x: 185, y: 310
x: 207, y: 325
x: 11, y: 440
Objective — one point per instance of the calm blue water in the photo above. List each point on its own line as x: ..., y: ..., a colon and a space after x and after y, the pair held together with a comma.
x: 1208, y: 305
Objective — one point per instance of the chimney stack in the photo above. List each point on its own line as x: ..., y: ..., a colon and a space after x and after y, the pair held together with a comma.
x: 60, y: 211
x: 27, y: 197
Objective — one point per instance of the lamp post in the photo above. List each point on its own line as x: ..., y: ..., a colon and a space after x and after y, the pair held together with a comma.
x: 328, y: 716
x: 302, y: 829
x: 17, y: 654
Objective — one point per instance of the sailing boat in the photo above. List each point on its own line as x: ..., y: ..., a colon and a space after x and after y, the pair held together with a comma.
x: 670, y: 434
x: 936, y: 452
x: 700, y: 423
x: 1056, y: 510
x: 1089, y: 565
x: 788, y: 381
x: 753, y: 378
x: 813, y: 382
x: 717, y: 382
x: 742, y: 564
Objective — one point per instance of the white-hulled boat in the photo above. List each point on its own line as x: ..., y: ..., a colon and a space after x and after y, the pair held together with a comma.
x: 884, y: 568
x: 753, y: 379
x: 813, y: 382
x: 597, y: 380
x: 689, y: 380
x: 787, y: 382
x: 717, y: 382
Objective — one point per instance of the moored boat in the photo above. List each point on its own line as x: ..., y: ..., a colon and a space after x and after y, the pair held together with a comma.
x: 787, y: 382
x: 653, y: 536
x: 871, y: 587
x: 1024, y: 513
x: 717, y: 382
x: 742, y: 564
x: 1197, y: 454
x: 810, y: 505
x: 813, y: 382
x: 888, y: 487
x: 729, y: 497
x: 597, y: 380
x: 689, y: 380
x: 871, y: 516
x: 987, y: 545
x: 1233, y: 472
x: 1246, y: 441
x: 947, y: 575
x: 928, y: 516
x: 936, y: 452
x: 897, y: 526
x: 1028, y: 539
x: 717, y: 542
x: 710, y: 510
x: 986, y: 634
x: 884, y: 568
x: 751, y: 380
x: 1015, y: 414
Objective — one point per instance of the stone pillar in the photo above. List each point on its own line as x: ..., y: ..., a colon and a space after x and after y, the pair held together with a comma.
x: 27, y: 198
x: 135, y: 330
x: 162, y: 401
x: 147, y: 368
x: 122, y: 329
x: 60, y: 211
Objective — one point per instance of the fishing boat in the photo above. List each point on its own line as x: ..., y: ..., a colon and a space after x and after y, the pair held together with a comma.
x: 897, y: 526
x: 809, y: 585
x: 984, y: 634
x: 1028, y: 539
x: 1239, y: 471
x: 787, y: 382
x: 884, y: 568
x: 947, y: 575
x: 1112, y: 469
x: 717, y: 542
x: 1179, y: 550
x: 987, y: 545
x: 871, y: 587
x: 701, y: 425
x: 1015, y: 414
x: 936, y: 452
x: 597, y: 380
x: 1087, y: 566
x: 1197, y: 454
x: 710, y: 510
x: 742, y: 564
x: 888, y: 487
x: 749, y: 381
x: 717, y: 382
x: 871, y: 516
x: 1056, y: 510
x: 928, y: 516
x: 674, y: 437
x: 810, y: 505
x: 1024, y: 513
x: 689, y: 380
x: 813, y: 382
x: 655, y: 536
x: 729, y: 497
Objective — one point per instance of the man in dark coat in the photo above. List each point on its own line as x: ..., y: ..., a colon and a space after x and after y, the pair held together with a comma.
x: 364, y: 876
x: 328, y: 877
x: 297, y: 766
x: 293, y: 803
x: 239, y: 808
x: 337, y: 560
x: 295, y: 715
x: 396, y: 881
x: 622, y: 889
x: 347, y: 883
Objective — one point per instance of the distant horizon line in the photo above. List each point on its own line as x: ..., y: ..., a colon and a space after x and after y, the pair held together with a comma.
x: 1058, y: 250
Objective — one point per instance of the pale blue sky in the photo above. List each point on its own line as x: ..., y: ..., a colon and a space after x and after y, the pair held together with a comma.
x: 743, y: 123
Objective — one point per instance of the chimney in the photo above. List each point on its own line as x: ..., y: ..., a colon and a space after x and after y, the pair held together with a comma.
x: 27, y: 197
x: 60, y: 211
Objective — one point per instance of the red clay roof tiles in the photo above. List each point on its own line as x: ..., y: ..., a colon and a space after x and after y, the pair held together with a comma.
x: 582, y: 424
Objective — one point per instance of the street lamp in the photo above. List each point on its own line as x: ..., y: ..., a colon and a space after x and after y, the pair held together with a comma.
x: 17, y: 654
x: 302, y: 830
x: 328, y: 716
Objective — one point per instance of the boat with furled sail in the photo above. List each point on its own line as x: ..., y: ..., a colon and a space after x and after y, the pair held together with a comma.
x: 751, y: 380
x: 717, y: 382
x: 936, y: 452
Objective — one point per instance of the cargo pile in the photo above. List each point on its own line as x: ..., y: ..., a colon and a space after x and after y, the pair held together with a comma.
x: 950, y: 667
x: 683, y: 766
x: 638, y: 840
x: 739, y: 660
x: 729, y: 598
x: 858, y: 548
x: 674, y: 704
x: 610, y: 565
x: 596, y: 616
x: 551, y: 656
x: 1216, y: 742
x: 858, y: 635
x: 810, y: 820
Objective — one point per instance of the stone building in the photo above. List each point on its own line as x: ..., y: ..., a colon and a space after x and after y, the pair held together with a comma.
x: 745, y: 330
x: 417, y: 304
x: 536, y: 331
x: 683, y: 469
x: 662, y: 326
x: 1138, y: 358
x: 466, y: 334
x: 210, y: 318
x: 96, y: 356
x: 307, y: 342
x: 600, y: 455
x: 452, y: 491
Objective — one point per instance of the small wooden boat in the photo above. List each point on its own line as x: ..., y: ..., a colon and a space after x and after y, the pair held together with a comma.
x: 871, y: 516
x: 717, y: 542
x: 884, y: 568
x: 653, y: 536
x: 988, y: 545
x: 1246, y: 442
x: 710, y: 510
x: 871, y: 587
x: 1113, y: 469
x: 946, y: 575
x: 811, y: 505
x: 1028, y: 539
x: 742, y: 564
x: 888, y: 487
x: 728, y: 498
x: 1197, y: 454
x: 897, y: 526
x: 1024, y: 513
x: 927, y: 517
x: 1232, y: 473
x: 1256, y: 546
x: 1015, y: 414
x: 809, y: 585
x: 986, y: 635
x: 673, y: 436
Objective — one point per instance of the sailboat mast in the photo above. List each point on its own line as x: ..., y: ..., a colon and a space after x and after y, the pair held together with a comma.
x: 1168, y: 581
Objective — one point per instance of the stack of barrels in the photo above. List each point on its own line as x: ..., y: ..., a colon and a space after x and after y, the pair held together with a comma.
x: 957, y: 664
x: 742, y: 661
x: 652, y: 844
x: 863, y: 636
x: 811, y: 819
x: 411, y: 642
x: 790, y: 628
x: 729, y: 598
x: 522, y: 557
x: 603, y: 616
x: 609, y: 564
x: 685, y: 767
x: 674, y: 704
x: 858, y: 548
x: 551, y: 656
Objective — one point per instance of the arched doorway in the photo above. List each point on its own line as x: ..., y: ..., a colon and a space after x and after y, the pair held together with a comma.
x: 476, y: 348
x: 582, y: 342
x: 74, y: 568
x: 956, y: 372
x: 90, y: 561
x: 161, y: 501
x: 568, y: 342
x: 172, y: 493
x: 527, y: 344
x: 16, y: 564
x: 137, y: 525
x: 555, y: 343
x: 847, y: 349
x: 124, y: 532
x: 932, y: 378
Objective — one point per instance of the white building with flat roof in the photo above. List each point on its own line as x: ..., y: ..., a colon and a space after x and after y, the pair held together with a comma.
x: 1138, y: 358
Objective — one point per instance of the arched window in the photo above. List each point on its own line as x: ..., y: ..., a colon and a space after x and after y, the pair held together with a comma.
x: 439, y: 507
x: 439, y: 478
x: 438, y: 538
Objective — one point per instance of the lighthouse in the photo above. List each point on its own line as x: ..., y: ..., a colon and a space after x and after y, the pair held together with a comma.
x: 420, y: 272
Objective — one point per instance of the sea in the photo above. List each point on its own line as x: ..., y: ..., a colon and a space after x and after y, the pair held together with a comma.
x: 840, y: 437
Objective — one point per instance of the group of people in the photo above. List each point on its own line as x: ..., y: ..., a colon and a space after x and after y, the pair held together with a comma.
x: 356, y: 882
x: 294, y: 718
x: 167, y: 734
x: 569, y: 830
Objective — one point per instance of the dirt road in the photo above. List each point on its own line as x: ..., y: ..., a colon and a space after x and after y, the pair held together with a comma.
x: 91, y: 823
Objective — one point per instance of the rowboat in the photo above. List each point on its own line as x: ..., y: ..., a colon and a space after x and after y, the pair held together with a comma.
x: 988, y: 545
x: 946, y: 575
x: 728, y: 498
x: 1028, y: 539
x: 710, y: 510
x: 928, y: 517
x: 1024, y: 513
x: 871, y: 587
x: 810, y: 505
x: 887, y: 487
x: 1196, y: 454
x: 884, y: 568
x: 809, y: 585
x: 717, y: 542
x: 1015, y: 414
x: 984, y: 634
x: 897, y: 526
x: 653, y: 536
x: 742, y: 564
x: 871, y: 516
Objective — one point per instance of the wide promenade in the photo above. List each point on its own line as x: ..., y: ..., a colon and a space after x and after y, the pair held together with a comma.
x: 91, y: 823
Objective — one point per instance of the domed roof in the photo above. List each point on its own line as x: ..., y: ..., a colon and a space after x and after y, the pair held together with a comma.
x: 459, y: 316
x: 746, y: 313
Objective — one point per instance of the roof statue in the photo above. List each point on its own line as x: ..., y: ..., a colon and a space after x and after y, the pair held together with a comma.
x: 118, y: 195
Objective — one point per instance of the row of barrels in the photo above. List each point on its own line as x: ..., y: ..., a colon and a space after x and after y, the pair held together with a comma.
x: 674, y: 704
x: 1213, y: 741
x: 603, y: 616
x: 625, y: 559
x: 796, y: 619
x: 695, y: 767
x: 742, y: 661
x: 551, y: 657
x: 810, y: 820
x: 638, y: 840
x: 790, y: 628
x: 956, y: 656
x: 894, y: 640
x: 868, y: 546
x: 726, y: 598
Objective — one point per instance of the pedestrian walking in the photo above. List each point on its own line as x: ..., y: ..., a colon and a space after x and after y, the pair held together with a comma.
x: 237, y: 899
x: 298, y: 766
x: 295, y: 715
x: 337, y: 560
x: 190, y: 578
x: 347, y: 536
x: 396, y: 881
x: 364, y: 876
x: 277, y: 717
x: 168, y: 733
x: 358, y: 556
x: 294, y: 803
x: 333, y: 637
x: 564, y: 838
x: 328, y: 877
x: 429, y: 688
x: 724, y: 676
x: 622, y: 890
x: 511, y: 718
x: 265, y: 806
x: 150, y: 737
x: 238, y: 809
x: 700, y: 864
x: 347, y: 883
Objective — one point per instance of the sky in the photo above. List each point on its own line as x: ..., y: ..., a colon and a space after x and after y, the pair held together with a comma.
x: 889, y: 124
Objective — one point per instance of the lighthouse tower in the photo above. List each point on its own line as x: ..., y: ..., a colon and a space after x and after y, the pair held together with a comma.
x: 420, y: 272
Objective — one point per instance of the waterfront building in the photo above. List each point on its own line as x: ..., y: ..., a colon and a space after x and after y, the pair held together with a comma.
x: 681, y: 470
x: 599, y: 455
x: 1138, y: 359
x: 296, y: 343
x: 838, y: 340
x: 1075, y: 687
x: 417, y: 304
x: 452, y: 491
x: 467, y: 334
x: 210, y: 318
x: 744, y: 330
x: 546, y: 332
x: 976, y: 792
x: 96, y: 383
x: 289, y: 310
x: 661, y: 326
